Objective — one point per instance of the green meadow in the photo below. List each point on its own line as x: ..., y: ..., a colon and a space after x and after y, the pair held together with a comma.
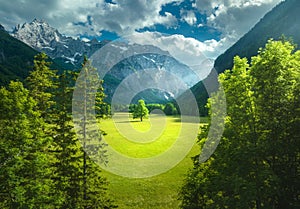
x: 145, y: 139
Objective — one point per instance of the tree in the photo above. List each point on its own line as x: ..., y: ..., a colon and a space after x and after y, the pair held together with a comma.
x: 152, y: 107
x: 41, y: 83
x: 42, y: 162
x: 256, y: 162
x: 140, y: 110
x: 87, y: 94
x: 170, y: 109
x: 131, y: 108
x: 25, y: 174
x: 102, y: 108
x: 275, y: 75
x: 66, y: 148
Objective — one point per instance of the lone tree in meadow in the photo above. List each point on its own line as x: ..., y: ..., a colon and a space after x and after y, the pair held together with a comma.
x: 140, y: 110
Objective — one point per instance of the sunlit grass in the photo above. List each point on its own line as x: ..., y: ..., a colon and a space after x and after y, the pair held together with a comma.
x: 141, y: 139
x: 145, y: 139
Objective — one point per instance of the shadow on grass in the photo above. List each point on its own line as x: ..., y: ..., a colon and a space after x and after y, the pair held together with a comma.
x: 191, y: 119
x: 131, y: 121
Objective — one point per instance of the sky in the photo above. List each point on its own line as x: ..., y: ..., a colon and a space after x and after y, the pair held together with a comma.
x: 208, y: 26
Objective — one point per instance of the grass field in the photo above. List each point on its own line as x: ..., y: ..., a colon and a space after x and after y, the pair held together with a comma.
x: 145, y: 139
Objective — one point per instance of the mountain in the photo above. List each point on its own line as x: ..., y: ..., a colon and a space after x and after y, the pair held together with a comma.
x: 65, y: 50
x: 281, y: 20
x: 69, y: 52
x: 147, y: 66
x: 15, y: 58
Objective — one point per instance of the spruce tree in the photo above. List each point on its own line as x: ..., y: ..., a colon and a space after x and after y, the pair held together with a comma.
x: 88, y: 94
x: 25, y: 174
x: 41, y: 83
x: 68, y: 180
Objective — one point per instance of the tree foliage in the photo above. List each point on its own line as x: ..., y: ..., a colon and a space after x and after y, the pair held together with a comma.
x: 256, y: 164
x: 89, y: 96
x: 43, y: 164
x: 41, y: 83
x: 25, y: 174
x: 170, y: 109
x: 140, y: 110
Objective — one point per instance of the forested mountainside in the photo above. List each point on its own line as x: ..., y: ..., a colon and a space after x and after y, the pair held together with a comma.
x: 280, y: 22
x: 15, y: 58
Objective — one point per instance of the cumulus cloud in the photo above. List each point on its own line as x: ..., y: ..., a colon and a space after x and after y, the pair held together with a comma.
x: 18, y: 11
x: 189, y: 17
x: 234, y: 17
x: 88, y: 16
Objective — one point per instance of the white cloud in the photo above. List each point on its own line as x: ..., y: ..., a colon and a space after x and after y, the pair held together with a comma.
x: 123, y: 17
x: 234, y: 17
x: 189, y: 17
x: 188, y: 51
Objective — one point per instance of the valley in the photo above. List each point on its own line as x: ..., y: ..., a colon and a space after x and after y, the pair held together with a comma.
x: 150, y: 104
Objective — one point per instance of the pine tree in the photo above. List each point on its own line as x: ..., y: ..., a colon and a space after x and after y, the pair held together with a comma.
x: 102, y: 109
x: 25, y: 174
x: 41, y: 83
x: 66, y: 147
x: 87, y: 95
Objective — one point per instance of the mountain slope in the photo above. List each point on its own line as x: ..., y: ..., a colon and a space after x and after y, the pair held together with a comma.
x: 15, y: 58
x: 66, y: 50
x: 281, y: 20
x: 158, y: 62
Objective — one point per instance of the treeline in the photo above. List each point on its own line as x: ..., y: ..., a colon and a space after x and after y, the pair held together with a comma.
x: 257, y: 162
x: 42, y: 163
x: 168, y: 109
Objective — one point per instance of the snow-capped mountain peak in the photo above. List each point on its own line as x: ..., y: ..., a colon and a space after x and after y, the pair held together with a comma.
x: 41, y: 36
x: 37, y: 34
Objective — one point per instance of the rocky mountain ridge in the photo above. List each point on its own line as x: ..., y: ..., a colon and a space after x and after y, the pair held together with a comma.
x: 41, y: 36
x: 66, y: 50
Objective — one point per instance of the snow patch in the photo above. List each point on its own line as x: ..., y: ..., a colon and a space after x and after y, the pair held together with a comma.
x: 77, y: 53
x: 150, y: 59
x: 48, y: 47
x: 123, y: 48
x: 71, y: 59
x: 85, y: 40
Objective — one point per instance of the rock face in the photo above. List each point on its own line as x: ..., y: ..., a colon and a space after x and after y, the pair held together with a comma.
x: 2, y: 28
x: 163, y: 72
x: 42, y: 37
x: 67, y: 50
